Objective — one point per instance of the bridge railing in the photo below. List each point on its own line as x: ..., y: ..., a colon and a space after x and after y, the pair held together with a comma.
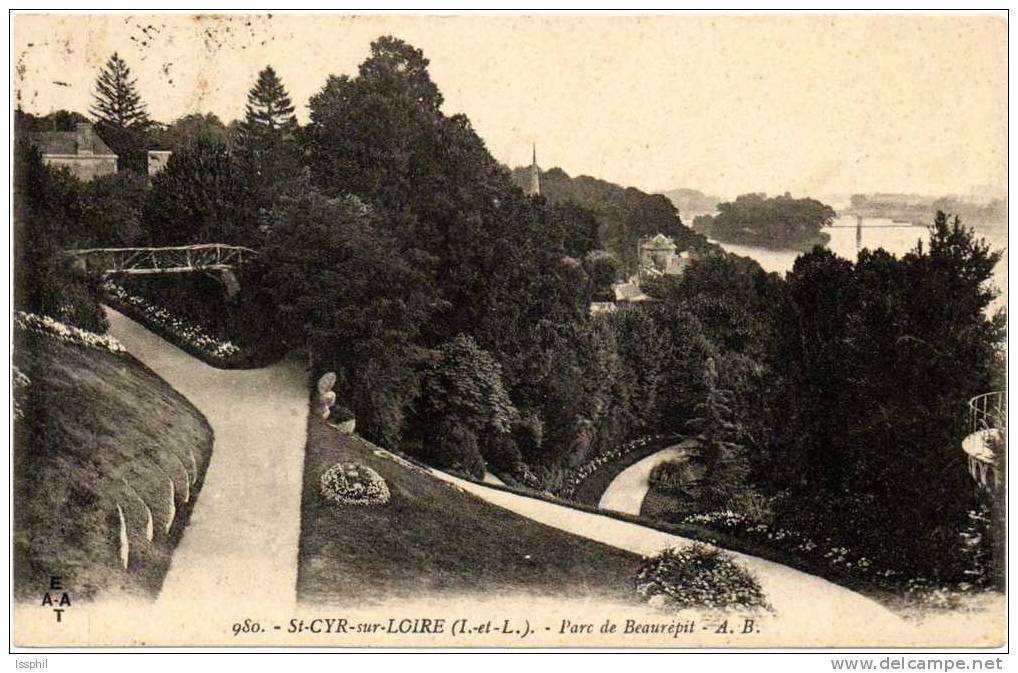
x: 162, y: 259
x: 988, y: 411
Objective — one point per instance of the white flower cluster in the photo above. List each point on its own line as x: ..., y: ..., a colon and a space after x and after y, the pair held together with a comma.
x: 576, y: 476
x: 47, y: 325
x: 19, y: 381
x: 698, y: 577
x: 725, y: 517
x: 354, y: 484
x: 187, y: 332
x: 792, y: 541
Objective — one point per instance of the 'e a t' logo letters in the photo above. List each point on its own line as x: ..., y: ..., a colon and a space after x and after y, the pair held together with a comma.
x: 56, y: 597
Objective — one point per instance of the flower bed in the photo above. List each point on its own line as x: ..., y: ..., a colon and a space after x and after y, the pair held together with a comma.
x: 45, y: 325
x: 698, y: 577
x: 354, y: 484
x: 841, y: 562
x: 191, y: 337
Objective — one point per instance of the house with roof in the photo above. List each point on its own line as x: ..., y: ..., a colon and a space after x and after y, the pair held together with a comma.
x: 80, y: 151
x: 658, y: 256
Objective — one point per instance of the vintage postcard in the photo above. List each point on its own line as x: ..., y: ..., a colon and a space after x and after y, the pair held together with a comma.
x: 509, y: 331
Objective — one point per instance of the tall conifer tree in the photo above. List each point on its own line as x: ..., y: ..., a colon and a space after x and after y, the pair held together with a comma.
x: 269, y: 110
x: 117, y: 102
x: 266, y: 141
x: 120, y: 115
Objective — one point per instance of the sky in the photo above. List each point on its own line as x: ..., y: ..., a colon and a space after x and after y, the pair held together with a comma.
x: 726, y: 104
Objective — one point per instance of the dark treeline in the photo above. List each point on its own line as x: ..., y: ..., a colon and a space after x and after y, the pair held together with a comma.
x: 454, y: 310
x: 623, y: 215
x: 776, y: 222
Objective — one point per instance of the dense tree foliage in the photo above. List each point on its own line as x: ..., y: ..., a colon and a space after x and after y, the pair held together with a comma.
x: 342, y: 286
x: 718, y: 431
x: 58, y: 120
x: 110, y: 211
x: 603, y: 269
x: 46, y: 214
x: 382, y: 136
x: 462, y: 390
x: 778, y: 222
x: 624, y: 215
x: 188, y: 130
x: 877, y: 363
x: 200, y: 197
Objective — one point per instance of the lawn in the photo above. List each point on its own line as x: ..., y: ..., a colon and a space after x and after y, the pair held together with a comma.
x: 432, y: 538
x: 99, y: 430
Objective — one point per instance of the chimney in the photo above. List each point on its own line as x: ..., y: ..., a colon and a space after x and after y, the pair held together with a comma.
x: 85, y: 138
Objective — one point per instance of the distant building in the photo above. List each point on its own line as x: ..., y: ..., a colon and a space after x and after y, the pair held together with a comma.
x: 597, y: 307
x: 629, y: 292
x: 658, y: 257
x: 534, y: 185
x: 157, y: 160
x: 80, y: 151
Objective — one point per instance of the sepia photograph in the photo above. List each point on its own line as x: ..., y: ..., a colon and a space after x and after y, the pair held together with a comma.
x: 514, y: 331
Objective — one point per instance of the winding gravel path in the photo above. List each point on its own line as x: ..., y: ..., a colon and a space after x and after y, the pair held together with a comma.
x: 806, y: 608
x: 240, y: 546
x: 627, y: 490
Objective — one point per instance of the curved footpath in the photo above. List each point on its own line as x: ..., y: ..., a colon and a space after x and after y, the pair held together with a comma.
x: 627, y: 490
x: 240, y: 546
x: 806, y: 607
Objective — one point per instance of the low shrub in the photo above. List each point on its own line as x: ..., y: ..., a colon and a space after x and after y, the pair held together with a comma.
x: 354, y: 484
x: 79, y: 307
x: 341, y: 414
x: 698, y: 577
x: 678, y: 477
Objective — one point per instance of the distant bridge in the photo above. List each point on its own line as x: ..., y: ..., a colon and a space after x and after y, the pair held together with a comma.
x: 859, y: 226
x: 860, y: 217
x: 208, y: 257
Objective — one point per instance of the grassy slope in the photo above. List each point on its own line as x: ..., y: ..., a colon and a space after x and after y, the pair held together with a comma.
x: 433, y: 538
x: 93, y: 420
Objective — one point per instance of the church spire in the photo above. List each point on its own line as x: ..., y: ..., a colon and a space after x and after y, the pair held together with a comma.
x: 535, y: 176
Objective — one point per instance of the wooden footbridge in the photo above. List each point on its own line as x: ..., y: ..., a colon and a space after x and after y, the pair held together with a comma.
x: 218, y: 258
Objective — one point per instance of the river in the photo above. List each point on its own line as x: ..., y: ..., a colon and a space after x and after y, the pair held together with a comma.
x: 876, y: 233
